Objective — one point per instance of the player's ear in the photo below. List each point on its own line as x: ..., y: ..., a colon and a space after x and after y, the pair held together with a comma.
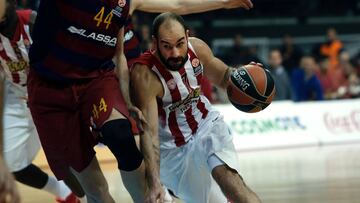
x: 187, y: 33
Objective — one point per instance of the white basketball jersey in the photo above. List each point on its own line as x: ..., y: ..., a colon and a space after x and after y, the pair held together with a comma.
x: 14, y: 60
x: 182, y: 109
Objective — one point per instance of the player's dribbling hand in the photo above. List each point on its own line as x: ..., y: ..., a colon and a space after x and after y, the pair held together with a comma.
x: 230, y: 4
x: 155, y: 194
x: 138, y: 116
x: 254, y: 63
x: 8, y: 189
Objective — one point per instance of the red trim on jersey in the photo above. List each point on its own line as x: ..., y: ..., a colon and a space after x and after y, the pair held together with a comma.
x: 190, y: 119
x: 23, y: 19
x: 192, y: 57
x: 146, y: 59
x: 200, y: 105
x: 15, y: 77
x: 175, y: 96
x: 24, y: 15
x: 161, y: 111
x: 4, y: 55
x: 175, y: 130
x: 150, y: 60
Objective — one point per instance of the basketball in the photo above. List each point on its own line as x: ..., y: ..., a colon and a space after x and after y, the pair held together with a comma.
x: 251, y: 88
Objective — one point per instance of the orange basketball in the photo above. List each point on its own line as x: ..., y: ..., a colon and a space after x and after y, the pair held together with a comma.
x: 251, y: 88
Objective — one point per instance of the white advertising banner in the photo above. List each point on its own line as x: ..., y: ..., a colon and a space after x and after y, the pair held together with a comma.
x: 287, y: 124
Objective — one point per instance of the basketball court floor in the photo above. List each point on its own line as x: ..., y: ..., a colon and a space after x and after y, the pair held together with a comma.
x: 328, y: 174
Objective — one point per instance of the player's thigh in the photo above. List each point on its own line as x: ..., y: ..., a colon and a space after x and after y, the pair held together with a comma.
x: 21, y: 142
x: 57, y: 118
x: 103, y: 101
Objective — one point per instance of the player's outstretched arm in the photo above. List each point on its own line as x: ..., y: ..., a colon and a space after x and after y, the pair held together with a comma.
x: 183, y: 7
x: 121, y: 68
x: 8, y: 190
x: 144, y: 89
x: 215, y: 69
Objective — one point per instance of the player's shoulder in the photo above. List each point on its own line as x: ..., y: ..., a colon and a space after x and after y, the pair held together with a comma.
x: 200, y: 47
x: 24, y: 15
x: 145, y: 59
x: 197, y: 44
x: 144, y: 79
x: 141, y: 66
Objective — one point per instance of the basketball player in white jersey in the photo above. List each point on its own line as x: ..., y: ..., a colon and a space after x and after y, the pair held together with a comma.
x: 21, y: 142
x: 8, y: 191
x: 185, y: 7
x: 190, y: 138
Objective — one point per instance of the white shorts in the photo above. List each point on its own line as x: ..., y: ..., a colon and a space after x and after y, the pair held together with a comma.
x: 21, y: 142
x: 185, y: 170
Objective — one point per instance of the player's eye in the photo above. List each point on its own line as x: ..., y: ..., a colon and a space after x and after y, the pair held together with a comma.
x: 180, y: 44
x: 166, y: 46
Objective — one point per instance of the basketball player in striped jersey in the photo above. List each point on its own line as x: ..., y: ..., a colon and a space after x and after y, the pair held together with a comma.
x: 8, y: 191
x: 132, y: 48
x: 190, y: 138
x: 21, y: 142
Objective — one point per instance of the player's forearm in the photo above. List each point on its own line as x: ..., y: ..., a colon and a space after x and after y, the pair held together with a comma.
x: 150, y: 150
x: 2, y: 8
x: 191, y: 6
x: 2, y: 89
x: 224, y: 82
x: 122, y: 72
x: 181, y: 7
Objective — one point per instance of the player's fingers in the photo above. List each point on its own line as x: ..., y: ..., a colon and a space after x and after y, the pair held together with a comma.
x: 142, y: 118
x: 249, y: 3
x: 162, y: 196
x: 15, y: 196
x: 245, y: 5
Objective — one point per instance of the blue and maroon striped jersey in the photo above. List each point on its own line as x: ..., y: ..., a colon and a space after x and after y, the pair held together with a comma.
x: 74, y: 39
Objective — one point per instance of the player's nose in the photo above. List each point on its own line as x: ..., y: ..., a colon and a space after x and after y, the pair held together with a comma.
x: 175, y: 52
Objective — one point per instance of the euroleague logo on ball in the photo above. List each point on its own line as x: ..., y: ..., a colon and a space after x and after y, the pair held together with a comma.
x: 122, y: 3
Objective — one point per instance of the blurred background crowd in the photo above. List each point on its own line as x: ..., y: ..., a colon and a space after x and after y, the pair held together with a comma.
x: 312, y: 48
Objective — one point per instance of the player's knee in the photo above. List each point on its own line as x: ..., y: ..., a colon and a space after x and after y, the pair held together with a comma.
x: 21, y: 174
x: 31, y: 176
x: 117, y: 135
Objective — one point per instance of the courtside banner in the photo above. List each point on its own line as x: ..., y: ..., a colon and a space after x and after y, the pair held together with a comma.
x: 287, y: 124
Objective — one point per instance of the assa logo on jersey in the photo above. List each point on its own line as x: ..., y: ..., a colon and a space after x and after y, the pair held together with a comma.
x: 108, y: 40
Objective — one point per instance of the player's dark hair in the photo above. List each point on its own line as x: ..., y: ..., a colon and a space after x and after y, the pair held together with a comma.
x: 162, y: 18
